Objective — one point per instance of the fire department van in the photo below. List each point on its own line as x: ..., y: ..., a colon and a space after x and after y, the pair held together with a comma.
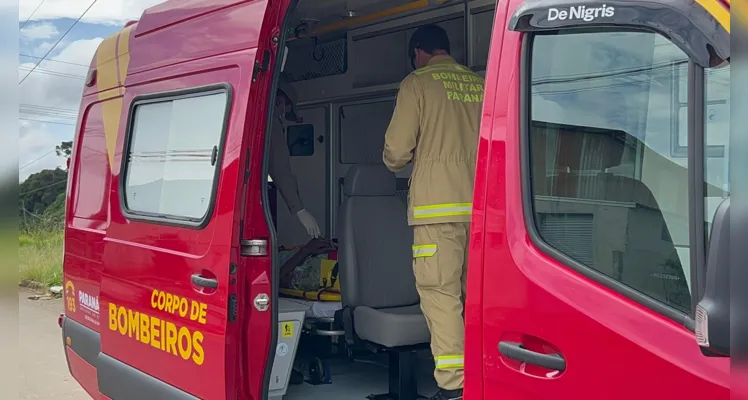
x: 598, y: 223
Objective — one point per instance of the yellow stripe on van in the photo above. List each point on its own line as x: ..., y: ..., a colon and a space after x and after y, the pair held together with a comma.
x: 718, y: 11
x: 123, y: 54
x: 107, y: 79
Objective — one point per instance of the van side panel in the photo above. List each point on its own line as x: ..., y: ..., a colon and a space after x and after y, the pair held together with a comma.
x: 215, y: 31
x: 88, y: 209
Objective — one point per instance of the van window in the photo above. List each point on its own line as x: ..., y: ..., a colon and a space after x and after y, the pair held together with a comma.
x: 608, y: 190
x: 716, y: 139
x: 172, y: 160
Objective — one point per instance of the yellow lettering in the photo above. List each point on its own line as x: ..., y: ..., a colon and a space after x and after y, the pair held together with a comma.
x: 203, y: 313
x: 122, y: 320
x: 184, y: 343
x: 194, y: 310
x: 171, y: 338
x: 145, y: 332
x: 161, y: 301
x: 132, y: 323
x: 167, y: 305
x: 197, y: 343
x: 155, y: 322
x: 153, y: 298
x: 162, y: 333
x: 435, y: 76
x: 183, y: 306
x: 112, y: 317
x: 450, y: 95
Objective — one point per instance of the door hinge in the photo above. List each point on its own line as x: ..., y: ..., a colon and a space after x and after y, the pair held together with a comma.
x: 253, y: 248
x: 261, y: 66
x: 233, y: 307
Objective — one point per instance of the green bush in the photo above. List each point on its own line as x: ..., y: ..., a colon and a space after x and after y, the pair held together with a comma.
x: 40, y: 256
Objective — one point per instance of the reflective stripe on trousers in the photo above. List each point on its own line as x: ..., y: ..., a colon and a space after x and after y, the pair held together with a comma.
x: 442, y: 210
x: 424, y: 250
x: 446, y: 362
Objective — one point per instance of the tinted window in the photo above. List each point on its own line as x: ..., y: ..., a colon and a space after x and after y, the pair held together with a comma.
x: 608, y: 191
x: 172, y: 159
x: 716, y: 139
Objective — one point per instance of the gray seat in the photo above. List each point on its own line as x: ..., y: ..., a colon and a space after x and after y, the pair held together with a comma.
x: 375, y: 257
x: 380, y: 301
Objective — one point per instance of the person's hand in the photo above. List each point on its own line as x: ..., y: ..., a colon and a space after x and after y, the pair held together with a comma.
x: 318, y: 246
x: 310, y: 224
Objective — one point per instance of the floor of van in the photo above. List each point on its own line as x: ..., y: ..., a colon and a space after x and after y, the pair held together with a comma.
x: 358, y: 379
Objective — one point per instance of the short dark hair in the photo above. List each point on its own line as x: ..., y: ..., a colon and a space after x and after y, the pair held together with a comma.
x: 429, y: 38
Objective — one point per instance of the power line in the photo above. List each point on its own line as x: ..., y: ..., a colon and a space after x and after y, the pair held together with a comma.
x: 58, y: 41
x: 46, y: 154
x: 50, y: 60
x: 54, y: 73
x: 42, y: 188
x: 32, y: 14
x: 46, y: 122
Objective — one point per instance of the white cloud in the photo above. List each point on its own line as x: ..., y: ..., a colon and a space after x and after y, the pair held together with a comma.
x: 47, y: 96
x: 39, y: 31
x: 109, y: 12
x: 36, y: 142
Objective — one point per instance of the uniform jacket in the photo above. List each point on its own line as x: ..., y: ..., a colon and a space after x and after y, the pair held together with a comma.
x: 279, y: 166
x: 435, y: 125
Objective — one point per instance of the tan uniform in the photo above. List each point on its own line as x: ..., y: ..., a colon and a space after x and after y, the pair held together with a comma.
x: 436, y: 124
x: 279, y: 167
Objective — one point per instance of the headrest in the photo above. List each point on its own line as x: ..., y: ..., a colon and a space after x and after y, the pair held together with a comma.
x: 369, y: 180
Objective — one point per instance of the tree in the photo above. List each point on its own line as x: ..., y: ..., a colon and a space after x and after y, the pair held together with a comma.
x: 64, y: 149
x: 41, y: 189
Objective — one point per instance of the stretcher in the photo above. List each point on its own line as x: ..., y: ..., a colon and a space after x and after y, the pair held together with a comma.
x: 322, y: 295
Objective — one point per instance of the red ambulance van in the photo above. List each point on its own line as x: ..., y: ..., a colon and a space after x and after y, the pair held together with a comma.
x: 601, y: 192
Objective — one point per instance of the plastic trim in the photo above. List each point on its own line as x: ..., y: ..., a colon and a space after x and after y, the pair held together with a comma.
x: 118, y: 380
x: 167, y: 219
x: 696, y: 183
x: 84, y: 341
x: 689, y: 26
x: 275, y: 266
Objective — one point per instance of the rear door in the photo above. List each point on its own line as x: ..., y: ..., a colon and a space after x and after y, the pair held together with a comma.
x: 170, y: 284
x: 601, y: 184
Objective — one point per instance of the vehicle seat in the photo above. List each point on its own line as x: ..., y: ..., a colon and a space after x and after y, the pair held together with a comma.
x: 377, y: 284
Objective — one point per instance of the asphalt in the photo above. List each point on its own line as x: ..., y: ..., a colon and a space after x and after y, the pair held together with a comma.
x: 43, y: 370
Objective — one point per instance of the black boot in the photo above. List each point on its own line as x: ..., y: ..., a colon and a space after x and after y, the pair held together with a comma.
x: 447, y: 395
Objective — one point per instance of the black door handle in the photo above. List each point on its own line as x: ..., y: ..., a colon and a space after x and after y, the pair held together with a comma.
x: 518, y: 352
x: 199, y: 280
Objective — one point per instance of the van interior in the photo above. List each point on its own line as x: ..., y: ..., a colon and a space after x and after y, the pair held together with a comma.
x: 345, y: 60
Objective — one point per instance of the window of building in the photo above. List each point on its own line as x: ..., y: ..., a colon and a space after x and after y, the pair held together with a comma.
x: 172, y: 158
x: 607, y: 189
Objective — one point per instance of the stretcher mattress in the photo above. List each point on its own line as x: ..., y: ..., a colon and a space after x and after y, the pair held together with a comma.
x: 316, y: 295
x: 317, y: 309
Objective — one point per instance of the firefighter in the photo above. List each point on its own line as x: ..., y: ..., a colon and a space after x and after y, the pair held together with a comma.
x: 435, y: 125
x: 280, y: 165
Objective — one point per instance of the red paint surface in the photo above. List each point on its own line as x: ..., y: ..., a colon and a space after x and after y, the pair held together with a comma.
x: 608, y: 341
x: 85, y: 373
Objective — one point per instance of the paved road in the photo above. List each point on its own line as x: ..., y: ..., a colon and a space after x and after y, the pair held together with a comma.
x: 44, y: 373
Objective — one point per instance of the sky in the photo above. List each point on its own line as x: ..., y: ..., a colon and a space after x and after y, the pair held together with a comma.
x: 49, y: 98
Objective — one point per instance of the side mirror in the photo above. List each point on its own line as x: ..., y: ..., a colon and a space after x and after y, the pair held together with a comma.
x: 713, y: 311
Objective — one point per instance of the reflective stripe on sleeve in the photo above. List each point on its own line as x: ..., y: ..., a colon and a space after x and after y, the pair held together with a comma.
x: 442, y: 210
x: 424, y: 250
x: 446, y: 362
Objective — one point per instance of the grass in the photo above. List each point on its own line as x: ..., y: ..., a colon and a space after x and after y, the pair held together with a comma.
x: 40, y: 257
